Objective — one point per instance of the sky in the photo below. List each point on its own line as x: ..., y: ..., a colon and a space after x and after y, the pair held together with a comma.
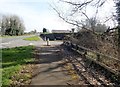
x: 37, y: 14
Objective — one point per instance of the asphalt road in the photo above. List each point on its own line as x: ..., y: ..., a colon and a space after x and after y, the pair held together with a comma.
x: 8, y: 39
x: 18, y: 41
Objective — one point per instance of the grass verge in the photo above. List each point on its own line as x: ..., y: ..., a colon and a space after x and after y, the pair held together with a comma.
x: 7, y: 36
x: 13, y: 61
x: 33, y: 38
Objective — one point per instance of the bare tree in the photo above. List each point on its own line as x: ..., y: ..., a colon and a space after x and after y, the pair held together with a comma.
x: 118, y: 11
x: 95, y: 25
x: 118, y: 19
x: 78, y: 12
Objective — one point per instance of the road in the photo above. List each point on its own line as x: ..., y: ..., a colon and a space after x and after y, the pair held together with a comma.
x: 8, y: 39
x: 18, y: 41
x: 10, y: 42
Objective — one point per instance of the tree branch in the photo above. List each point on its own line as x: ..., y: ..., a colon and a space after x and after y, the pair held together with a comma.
x: 65, y: 19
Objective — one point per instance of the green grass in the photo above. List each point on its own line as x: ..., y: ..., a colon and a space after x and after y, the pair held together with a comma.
x: 12, y: 61
x: 92, y: 55
x: 33, y: 38
x: 6, y: 36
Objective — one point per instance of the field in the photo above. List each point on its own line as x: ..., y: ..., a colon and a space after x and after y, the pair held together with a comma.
x: 33, y: 38
x: 13, y: 60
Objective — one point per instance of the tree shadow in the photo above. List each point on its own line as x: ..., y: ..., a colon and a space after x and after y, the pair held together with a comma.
x: 48, y: 55
x: 50, y: 69
x: 16, y: 56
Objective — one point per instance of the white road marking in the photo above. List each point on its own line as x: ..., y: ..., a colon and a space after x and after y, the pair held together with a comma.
x: 31, y: 44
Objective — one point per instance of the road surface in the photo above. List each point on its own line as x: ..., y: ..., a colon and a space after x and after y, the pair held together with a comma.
x: 18, y: 41
x: 10, y: 42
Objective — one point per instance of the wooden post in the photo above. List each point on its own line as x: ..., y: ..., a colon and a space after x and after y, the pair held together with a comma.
x: 119, y: 41
x: 84, y: 55
x: 98, y: 57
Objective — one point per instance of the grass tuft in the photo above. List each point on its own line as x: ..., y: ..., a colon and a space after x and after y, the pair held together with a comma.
x: 33, y: 38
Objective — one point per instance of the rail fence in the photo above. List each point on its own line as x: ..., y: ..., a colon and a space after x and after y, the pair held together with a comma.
x: 109, y: 63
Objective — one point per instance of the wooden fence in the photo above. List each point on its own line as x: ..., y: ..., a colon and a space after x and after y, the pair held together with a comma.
x: 110, y: 63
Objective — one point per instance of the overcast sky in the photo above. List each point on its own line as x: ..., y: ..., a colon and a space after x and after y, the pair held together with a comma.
x: 36, y: 14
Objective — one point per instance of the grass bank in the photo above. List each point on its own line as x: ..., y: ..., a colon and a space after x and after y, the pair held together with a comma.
x: 13, y: 60
x: 33, y: 38
x: 7, y: 36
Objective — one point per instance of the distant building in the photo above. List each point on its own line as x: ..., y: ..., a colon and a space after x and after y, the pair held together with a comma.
x: 56, y: 34
x: 60, y: 34
x: 61, y: 31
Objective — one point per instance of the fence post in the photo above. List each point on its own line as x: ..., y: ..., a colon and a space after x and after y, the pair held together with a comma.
x: 98, y: 57
x: 84, y: 55
x: 76, y: 47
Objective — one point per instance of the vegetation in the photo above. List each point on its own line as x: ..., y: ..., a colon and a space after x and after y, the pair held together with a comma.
x: 77, y: 14
x: 13, y: 60
x: 11, y: 25
x: 7, y: 36
x: 118, y: 11
x: 32, y: 32
x: 92, y: 30
x: 33, y: 38
x: 95, y: 25
x: 118, y: 19
x: 45, y: 30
